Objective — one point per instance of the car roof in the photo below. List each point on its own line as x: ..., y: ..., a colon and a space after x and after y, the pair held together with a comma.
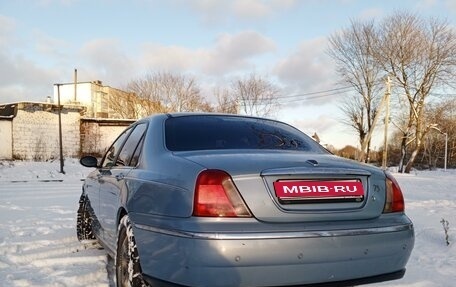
x: 185, y: 114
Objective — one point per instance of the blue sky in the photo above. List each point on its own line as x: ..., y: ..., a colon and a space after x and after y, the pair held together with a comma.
x: 215, y: 41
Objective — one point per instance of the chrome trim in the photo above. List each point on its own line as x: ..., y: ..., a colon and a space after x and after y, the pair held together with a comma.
x: 323, y: 198
x: 276, y: 235
x: 319, y: 171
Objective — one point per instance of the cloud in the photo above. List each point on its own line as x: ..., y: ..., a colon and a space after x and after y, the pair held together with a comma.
x: 233, y: 52
x: 244, y: 44
x: 325, y: 123
x: 104, y: 59
x: 229, y: 53
x: 256, y: 9
x: 251, y: 9
x: 21, y: 77
x: 18, y: 75
x: 307, y: 69
x: 7, y: 28
x: 427, y: 4
x: 451, y: 5
x: 49, y: 46
x: 371, y: 14
x: 170, y: 58
x: 37, y: 64
x: 244, y: 10
x: 320, y: 124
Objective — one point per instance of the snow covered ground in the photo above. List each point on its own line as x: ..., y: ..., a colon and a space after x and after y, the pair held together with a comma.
x: 38, y: 245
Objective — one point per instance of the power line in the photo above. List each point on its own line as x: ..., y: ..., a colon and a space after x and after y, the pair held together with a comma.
x: 316, y: 93
x: 324, y: 93
x: 442, y: 94
x: 331, y: 92
x: 314, y: 97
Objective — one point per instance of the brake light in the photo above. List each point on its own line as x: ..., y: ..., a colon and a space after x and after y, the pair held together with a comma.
x: 394, y: 198
x: 217, y: 196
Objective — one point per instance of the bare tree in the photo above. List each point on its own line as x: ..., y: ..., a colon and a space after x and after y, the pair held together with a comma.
x: 178, y: 92
x: 123, y: 105
x: 352, y: 50
x: 168, y: 92
x: 443, y: 115
x: 226, y: 101
x: 420, y: 56
x: 256, y: 95
x: 148, y: 98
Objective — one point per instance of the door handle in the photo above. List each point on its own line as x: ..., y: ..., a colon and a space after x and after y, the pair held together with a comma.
x: 120, y: 176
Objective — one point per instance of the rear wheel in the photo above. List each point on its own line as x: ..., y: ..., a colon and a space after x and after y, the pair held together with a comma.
x: 128, y: 267
x: 84, y: 229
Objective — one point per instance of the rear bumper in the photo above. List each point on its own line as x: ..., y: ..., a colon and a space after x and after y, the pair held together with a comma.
x: 348, y: 283
x: 275, y: 259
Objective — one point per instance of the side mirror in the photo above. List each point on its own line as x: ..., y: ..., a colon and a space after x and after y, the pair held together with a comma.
x: 89, y: 161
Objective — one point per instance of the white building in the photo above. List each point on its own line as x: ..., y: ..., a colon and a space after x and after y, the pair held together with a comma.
x: 100, y: 101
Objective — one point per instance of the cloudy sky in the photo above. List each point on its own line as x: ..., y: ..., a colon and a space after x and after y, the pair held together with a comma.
x: 215, y: 41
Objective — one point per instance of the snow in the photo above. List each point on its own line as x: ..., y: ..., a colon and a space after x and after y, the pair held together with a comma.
x: 38, y: 244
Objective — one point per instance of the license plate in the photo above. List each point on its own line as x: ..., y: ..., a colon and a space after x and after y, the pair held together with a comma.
x: 319, y: 191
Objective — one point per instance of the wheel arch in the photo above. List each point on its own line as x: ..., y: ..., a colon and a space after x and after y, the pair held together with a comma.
x: 121, y: 213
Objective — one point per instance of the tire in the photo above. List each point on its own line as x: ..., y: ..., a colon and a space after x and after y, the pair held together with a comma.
x: 128, y: 266
x: 84, y: 230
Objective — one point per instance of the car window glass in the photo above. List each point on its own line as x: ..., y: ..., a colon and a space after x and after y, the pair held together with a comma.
x: 130, y: 145
x: 135, y: 158
x: 111, y: 154
x: 188, y: 133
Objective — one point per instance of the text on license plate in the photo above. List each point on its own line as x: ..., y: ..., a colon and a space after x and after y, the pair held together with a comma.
x: 318, y: 189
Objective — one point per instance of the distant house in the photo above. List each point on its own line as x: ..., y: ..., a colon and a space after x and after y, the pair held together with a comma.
x: 100, y: 101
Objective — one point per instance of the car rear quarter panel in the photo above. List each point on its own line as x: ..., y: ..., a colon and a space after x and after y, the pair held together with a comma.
x: 162, y: 184
x: 150, y: 194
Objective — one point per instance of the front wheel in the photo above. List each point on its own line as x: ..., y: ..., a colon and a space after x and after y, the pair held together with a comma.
x: 128, y: 267
x: 84, y: 230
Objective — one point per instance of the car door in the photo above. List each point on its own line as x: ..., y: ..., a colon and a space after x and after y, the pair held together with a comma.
x: 113, y: 183
x: 105, y: 174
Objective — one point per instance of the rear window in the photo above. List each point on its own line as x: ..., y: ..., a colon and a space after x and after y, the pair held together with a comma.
x: 188, y: 133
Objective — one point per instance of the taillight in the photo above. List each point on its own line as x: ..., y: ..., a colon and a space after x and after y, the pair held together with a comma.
x: 394, y: 198
x: 217, y: 196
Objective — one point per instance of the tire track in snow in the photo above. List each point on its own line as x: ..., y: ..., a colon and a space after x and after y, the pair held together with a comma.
x: 38, y: 244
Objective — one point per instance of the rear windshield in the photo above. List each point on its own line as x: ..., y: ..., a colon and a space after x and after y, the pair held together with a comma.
x: 188, y: 133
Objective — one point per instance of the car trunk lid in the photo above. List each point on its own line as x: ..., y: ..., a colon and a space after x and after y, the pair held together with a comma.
x: 258, y: 176
x: 318, y: 194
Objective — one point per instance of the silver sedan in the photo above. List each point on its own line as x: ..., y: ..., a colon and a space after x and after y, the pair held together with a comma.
x: 226, y: 200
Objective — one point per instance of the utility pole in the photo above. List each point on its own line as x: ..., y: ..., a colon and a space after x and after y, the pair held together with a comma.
x: 385, y: 136
x: 446, y: 151
x: 60, y: 128
x: 446, y: 146
x: 374, y: 122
